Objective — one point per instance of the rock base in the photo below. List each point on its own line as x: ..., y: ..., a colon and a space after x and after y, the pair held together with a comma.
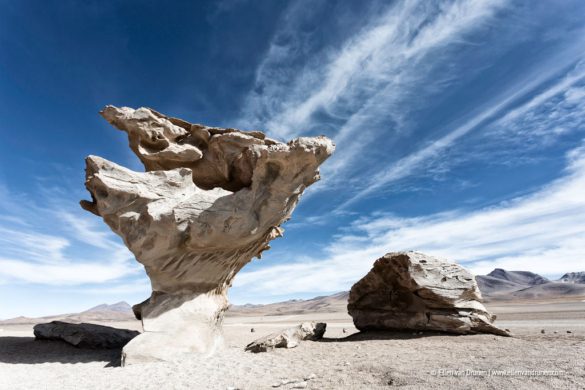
x: 177, y: 324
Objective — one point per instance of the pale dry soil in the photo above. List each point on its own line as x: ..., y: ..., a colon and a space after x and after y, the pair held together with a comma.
x: 341, y: 361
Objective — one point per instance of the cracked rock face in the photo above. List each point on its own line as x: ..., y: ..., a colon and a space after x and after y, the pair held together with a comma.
x: 210, y: 200
x: 412, y: 291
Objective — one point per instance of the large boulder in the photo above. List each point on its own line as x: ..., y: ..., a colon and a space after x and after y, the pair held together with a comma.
x: 85, y: 335
x: 210, y: 201
x: 289, y: 338
x: 412, y: 291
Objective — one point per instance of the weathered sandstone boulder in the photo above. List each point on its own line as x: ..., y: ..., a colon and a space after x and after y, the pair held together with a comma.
x: 210, y: 201
x: 289, y: 338
x: 409, y: 290
x: 85, y: 335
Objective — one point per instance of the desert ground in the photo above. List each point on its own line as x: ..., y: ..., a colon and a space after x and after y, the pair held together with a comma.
x: 351, y: 360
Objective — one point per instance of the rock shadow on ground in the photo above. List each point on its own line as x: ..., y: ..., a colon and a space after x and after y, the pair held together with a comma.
x: 388, y: 335
x: 27, y: 350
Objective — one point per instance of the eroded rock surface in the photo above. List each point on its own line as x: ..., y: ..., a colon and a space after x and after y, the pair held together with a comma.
x: 409, y: 290
x: 85, y: 335
x: 289, y: 338
x: 210, y: 201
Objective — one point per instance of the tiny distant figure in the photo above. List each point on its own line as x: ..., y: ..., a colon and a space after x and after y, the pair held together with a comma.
x: 252, y: 330
x: 344, y: 330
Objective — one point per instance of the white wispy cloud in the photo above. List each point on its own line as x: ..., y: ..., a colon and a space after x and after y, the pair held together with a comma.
x: 367, y: 90
x: 57, y: 258
x: 554, y: 112
x: 58, y: 243
x: 542, y: 232
x: 512, y: 122
x: 390, y: 54
x: 140, y: 287
x: 33, y: 245
x: 68, y: 272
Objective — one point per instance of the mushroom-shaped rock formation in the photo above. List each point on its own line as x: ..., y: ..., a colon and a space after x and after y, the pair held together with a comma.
x: 210, y: 201
x: 409, y: 290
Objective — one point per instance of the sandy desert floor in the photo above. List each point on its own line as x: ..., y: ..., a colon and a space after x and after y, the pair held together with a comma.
x: 530, y: 360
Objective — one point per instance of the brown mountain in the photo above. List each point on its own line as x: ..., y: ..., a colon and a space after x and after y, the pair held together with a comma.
x: 324, y: 304
x: 507, y: 285
x: 500, y: 281
x: 120, y: 311
x: 573, y: 277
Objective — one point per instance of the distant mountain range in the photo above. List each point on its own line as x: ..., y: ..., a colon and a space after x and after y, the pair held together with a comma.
x: 120, y: 307
x: 324, y: 304
x: 120, y: 311
x: 516, y: 285
x: 498, y: 285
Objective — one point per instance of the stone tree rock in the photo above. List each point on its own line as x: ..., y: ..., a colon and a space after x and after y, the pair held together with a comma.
x: 289, y: 338
x: 85, y: 335
x: 210, y: 201
x: 409, y: 290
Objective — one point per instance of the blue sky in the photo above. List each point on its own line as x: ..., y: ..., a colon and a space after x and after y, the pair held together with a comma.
x: 459, y: 128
